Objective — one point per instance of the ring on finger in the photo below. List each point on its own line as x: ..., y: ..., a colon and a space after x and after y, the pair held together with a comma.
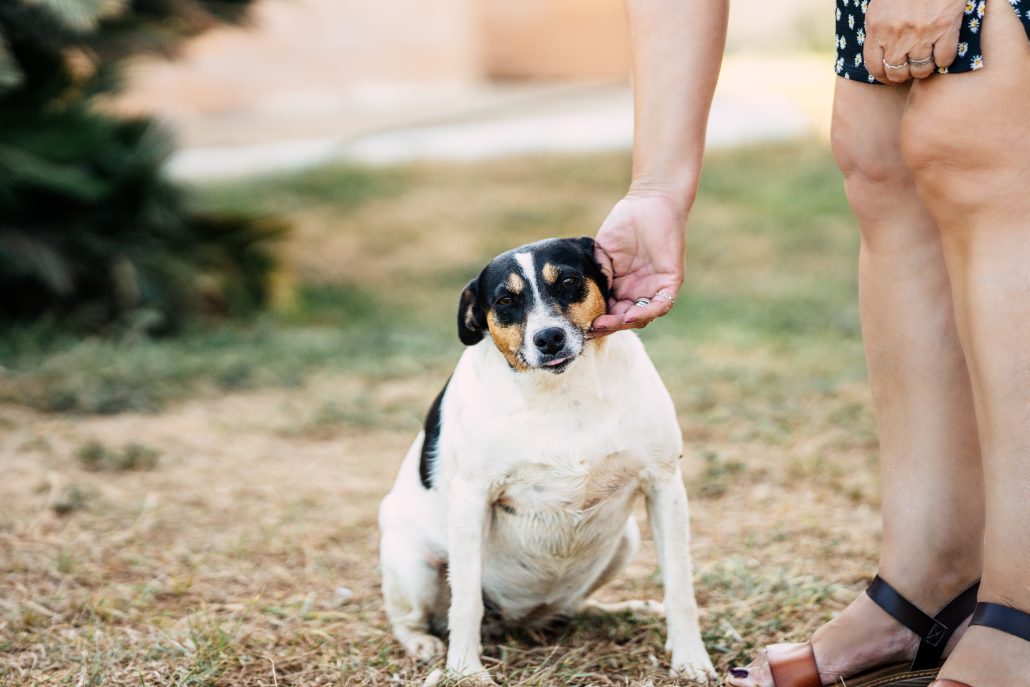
x: 926, y: 61
x: 642, y: 302
x: 888, y: 65
x: 665, y: 295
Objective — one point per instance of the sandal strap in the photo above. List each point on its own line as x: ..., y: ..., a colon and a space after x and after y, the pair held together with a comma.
x: 1004, y: 618
x: 793, y: 665
x: 951, y: 616
x: 933, y: 632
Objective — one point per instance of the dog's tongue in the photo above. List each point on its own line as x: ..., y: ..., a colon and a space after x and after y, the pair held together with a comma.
x: 553, y: 363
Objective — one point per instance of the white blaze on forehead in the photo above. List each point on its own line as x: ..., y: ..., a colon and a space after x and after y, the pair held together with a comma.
x: 539, y: 316
x: 525, y: 261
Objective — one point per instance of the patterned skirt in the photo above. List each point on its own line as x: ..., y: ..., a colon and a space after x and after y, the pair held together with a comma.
x: 851, y: 37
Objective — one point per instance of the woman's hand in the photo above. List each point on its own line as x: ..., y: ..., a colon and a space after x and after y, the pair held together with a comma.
x: 640, y: 248
x: 917, y: 36
x: 677, y: 50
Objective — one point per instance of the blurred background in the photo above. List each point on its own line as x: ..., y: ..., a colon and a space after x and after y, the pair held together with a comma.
x: 232, y: 238
x: 461, y: 79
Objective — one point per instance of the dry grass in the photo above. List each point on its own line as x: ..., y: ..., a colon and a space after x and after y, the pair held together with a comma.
x: 222, y: 565
x: 244, y: 550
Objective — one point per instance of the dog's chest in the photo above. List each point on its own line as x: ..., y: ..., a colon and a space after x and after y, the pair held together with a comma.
x: 555, y: 522
x: 563, y: 511
x: 571, y: 487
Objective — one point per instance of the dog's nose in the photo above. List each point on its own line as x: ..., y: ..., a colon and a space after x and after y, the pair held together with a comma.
x: 550, y: 340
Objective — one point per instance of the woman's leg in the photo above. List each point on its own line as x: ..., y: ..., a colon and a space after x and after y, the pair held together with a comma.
x: 929, y: 456
x: 967, y: 138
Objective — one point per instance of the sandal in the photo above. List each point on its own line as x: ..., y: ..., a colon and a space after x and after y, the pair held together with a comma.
x: 997, y: 617
x: 793, y: 665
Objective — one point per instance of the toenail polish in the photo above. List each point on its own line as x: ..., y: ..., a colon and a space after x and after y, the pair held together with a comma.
x: 738, y: 672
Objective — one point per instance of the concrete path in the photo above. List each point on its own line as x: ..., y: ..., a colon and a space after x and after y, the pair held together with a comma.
x: 759, y: 98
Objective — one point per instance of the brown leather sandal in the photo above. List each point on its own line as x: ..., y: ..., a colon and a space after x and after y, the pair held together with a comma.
x: 1002, y: 618
x: 793, y: 665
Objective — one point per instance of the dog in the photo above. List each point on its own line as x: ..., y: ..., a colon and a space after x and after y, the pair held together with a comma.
x: 519, y: 490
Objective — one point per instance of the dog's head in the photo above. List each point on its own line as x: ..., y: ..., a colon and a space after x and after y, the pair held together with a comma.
x: 536, y: 303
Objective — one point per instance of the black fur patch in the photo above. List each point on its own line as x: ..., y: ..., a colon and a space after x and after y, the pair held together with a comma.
x: 471, y: 315
x: 432, y: 438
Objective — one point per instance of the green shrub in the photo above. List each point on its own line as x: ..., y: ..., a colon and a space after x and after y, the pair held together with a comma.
x: 91, y: 231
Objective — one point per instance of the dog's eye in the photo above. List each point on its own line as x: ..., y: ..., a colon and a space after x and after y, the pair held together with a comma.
x: 570, y: 281
x: 504, y: 300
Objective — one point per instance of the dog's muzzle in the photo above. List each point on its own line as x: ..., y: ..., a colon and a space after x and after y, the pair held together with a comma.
x: 552, y: 349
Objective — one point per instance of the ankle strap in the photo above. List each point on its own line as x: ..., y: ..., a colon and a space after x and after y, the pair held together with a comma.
x: 1003, y: 618
x: 934, y: 632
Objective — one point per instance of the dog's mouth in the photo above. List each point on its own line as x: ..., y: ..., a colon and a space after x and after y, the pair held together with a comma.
x: 558, y: 363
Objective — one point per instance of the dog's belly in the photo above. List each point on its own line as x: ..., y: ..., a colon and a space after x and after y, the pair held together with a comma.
x: 553, y: 532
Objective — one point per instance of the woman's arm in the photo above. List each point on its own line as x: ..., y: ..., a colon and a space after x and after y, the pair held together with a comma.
x: 677, y: 50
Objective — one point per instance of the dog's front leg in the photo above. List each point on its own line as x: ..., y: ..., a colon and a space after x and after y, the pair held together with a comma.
x: 466, y: 528
x: 670, y: 522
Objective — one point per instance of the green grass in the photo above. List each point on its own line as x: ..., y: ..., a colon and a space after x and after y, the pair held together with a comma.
x: 98, y: 457
x: 769, y: 301
x: 332, y: 328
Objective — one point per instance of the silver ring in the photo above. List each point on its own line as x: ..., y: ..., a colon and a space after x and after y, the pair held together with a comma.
x: 888, y: 65
x: 923, y: 62
x: 663, y: 294
x: 642, y: 302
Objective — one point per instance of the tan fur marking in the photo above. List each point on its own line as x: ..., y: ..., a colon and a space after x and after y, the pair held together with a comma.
x: 508, y: 340
x: 584, y: 313
x: 505, y: 503
x: 608, y: 479
x: 550, y: 273
x: 515, y: 283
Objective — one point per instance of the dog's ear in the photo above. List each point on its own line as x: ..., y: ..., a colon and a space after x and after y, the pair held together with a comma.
x: 589, y: 248
x: 471, y: 319
x: 587, y: 244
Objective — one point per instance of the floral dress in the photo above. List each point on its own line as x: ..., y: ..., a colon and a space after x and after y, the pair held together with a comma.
x: 851, y: 37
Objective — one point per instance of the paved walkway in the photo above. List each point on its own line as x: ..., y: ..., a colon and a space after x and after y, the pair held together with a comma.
x: 759, y: 98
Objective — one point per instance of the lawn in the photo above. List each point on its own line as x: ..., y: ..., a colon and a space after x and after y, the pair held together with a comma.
x: 201, y: 510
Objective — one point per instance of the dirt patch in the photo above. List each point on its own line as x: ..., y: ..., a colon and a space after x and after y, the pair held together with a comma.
x: 247, y: 555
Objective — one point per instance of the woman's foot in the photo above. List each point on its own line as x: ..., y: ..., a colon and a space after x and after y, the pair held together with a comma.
x: 861, y: 637
x: 989, y: 658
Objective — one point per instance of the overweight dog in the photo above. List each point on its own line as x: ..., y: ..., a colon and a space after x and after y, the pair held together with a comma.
x: 517, y: 497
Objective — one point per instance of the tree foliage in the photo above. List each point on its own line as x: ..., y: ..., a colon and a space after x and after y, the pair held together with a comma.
x: 91, y: 231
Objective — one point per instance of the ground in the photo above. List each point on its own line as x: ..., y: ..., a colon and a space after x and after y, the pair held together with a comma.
x: 202, y: 511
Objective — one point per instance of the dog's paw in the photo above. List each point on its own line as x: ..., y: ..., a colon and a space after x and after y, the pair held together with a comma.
x: 648, y: 607
x: 434, y: 678
x: 470, y: 675
x: 639, y: 606
x: 694, y: 665
x: 424, y: 647
x: 480, y: 680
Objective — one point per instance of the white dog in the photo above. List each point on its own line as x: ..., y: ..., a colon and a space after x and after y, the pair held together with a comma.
x: 519, y: 492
